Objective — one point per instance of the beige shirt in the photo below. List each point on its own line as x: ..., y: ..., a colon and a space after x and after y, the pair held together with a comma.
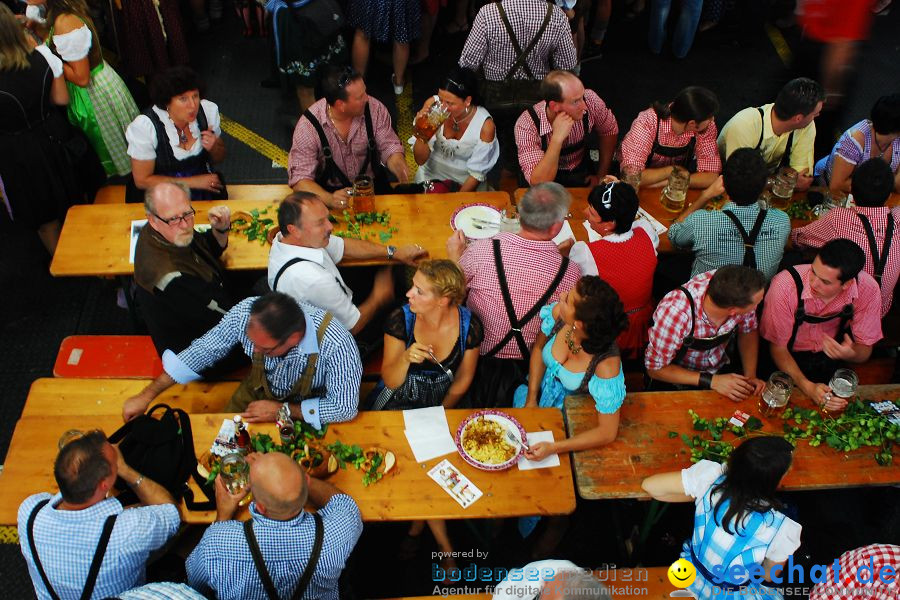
x: 742, y: 131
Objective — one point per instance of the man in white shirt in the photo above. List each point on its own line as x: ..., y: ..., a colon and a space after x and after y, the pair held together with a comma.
x: 304, y: 258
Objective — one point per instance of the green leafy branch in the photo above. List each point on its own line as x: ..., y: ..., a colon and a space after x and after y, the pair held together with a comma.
x: 356, y: 222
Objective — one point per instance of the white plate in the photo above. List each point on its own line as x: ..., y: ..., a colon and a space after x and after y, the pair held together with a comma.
x: 508, y: 423
x: 476, y: 230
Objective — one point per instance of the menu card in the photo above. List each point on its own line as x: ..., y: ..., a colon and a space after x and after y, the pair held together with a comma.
x: 455, y: 483
x: 428, y: 433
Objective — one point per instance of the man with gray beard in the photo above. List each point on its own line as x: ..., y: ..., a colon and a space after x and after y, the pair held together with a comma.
x: 180, y: 291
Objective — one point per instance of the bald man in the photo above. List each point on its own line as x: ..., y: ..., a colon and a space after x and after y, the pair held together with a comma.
x: 285, y: 534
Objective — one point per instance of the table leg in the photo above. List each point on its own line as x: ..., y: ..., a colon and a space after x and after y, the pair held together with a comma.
x: 654, y: 513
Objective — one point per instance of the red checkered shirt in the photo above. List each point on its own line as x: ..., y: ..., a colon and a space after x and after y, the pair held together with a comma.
x: 306, y: 158
x: 528, y: 139
x: 842, y: 223
x: 781, y: 305
x: 489, y: 46
x: 638, y: 143
x: 530, y: 268
x: 672, y: 323
x: 849, y: 587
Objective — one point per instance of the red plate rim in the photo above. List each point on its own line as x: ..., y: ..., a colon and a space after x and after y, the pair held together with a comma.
x: 479, y: 465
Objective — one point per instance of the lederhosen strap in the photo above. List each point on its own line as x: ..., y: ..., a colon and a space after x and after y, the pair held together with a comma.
x: 522, y: 55
x: 700, y: 344
x: 516, y: 324
x: 786, y: 157
x: 749, y: 239
x: 94, y: 569
x: 567, y: 150
x: 686, y: 151
x: 308, y: 571
x: 879, y: 261
x: 801, y: 317
x: 331, y: 171
x: 293, y: 262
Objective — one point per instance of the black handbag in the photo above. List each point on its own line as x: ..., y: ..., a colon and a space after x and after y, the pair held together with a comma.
x: 320, y: 20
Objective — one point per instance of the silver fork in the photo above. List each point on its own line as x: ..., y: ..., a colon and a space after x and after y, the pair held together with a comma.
x: 517, y: 441
x: 443, y: 368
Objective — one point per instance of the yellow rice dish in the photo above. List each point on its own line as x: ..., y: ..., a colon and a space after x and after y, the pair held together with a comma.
x: 485, y: 441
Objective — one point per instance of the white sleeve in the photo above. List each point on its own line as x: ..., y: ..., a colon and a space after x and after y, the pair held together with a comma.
x: 314, y: 285
x: 56, y: 65
x: 581, y: 255
x: 141, y: 138
x: 74, y: 45
x: 335, y: 249
x: 651, y: 231
x: 213, y: 120
x: 484, y: 157
x: 697, y: 479
x: 785, y: 542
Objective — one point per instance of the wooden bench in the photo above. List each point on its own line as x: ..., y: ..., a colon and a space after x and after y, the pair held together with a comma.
x: 74, y: 397
x: 622, y: 584
x: 115, y: 194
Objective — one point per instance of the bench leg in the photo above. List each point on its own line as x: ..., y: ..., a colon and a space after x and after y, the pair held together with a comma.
x: 126, y: 282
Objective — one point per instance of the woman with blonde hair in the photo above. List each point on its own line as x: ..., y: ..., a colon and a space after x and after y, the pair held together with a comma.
x: 100, y: 104
x: 39, y: 182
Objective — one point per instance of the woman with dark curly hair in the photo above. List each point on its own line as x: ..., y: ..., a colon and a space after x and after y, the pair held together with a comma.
x: 583, y: 360
x: 737, y: 519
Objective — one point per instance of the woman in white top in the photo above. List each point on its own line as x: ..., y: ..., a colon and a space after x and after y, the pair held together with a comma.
x: 178, y: 139
x: 465, y: 146
x: 99, y: 103
x: 741, y: 540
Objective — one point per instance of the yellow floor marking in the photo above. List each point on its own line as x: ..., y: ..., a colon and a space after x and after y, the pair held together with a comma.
x: 9, y: 535
x: 405, y: 114
x: 781, y: 45
x: 255, y: 141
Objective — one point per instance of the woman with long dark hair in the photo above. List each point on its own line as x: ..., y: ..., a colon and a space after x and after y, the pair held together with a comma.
x: 737, y: 519
x: 681, y: 132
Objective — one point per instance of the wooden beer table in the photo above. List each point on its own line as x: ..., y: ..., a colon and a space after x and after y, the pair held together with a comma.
x: 649, y: 199
x: 406, y: 493
x: 95, y: 237
x: 643, y: 446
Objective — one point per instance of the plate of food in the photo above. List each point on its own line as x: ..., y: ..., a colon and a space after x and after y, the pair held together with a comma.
x: 481, y: 440
x: 477, y: 221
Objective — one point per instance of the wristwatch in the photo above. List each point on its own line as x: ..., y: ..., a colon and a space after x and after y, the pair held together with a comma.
x: 390, y: 252
x: 705, y: 382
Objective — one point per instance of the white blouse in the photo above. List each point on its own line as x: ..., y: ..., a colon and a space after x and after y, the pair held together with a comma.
x: 56, y: 65
x: 581, y: 255
x: 74, y: 45
x: 141, y: 134
x: 459, y: 159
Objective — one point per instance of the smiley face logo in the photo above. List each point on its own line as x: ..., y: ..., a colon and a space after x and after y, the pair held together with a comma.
x: 682, y: 573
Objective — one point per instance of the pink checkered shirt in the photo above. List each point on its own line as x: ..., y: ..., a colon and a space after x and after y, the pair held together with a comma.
x: 528, y: 139
x: 638, y: 143
x: 672, y: 323
x: 781, y: 304
x: 306, y: 158
x: 842, y: 223
x: 488, y: 44
x: 849, y: 587
x: 530, y: 268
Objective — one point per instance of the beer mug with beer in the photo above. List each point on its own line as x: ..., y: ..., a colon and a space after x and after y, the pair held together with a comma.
x: 427, y: 122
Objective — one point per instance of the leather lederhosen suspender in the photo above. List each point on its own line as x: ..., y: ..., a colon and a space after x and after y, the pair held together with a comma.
x: 293, y: 262
x: 331, y: 171
x: 589, y: 144
x: 522, y: 55
x: 786, y: 157
x: 879, y: 260
x: 516, y: 324
x: 801, y: 317
x: 699, y: 344
x: 686, y: 152
x: 749, y: 239
x: 308, y: 571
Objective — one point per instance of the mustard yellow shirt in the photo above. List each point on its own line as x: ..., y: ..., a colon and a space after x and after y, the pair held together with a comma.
x: 742, y: 131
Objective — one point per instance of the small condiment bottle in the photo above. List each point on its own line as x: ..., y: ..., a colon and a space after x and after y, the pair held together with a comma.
x: 241, y: 435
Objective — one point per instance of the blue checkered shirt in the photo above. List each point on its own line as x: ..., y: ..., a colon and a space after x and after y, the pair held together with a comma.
x: 67, y: 539
x: 338, y: 370
x: 222, y: 562
x: 717, y: 242
x: 162, y: 591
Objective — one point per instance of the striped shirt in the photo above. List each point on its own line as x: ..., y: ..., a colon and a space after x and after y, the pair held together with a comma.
x: 672, y: 323
x: 338, y: 370
x: 307, y: 159
x: 842, y: 223
x: 638, y: 144
x: 528, y: 138
x: 717, y: 242
x: 489, y: 47
x: 222, y: 562
x: 67, y: 539
x: 530, y: 268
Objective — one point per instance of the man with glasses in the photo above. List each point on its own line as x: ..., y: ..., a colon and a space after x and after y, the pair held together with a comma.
x: 180, y: 281
x: 568, y: 137
x: 693, y: 326
x: 343, y: 136
x: 303, y: 360
x: 59, y: 533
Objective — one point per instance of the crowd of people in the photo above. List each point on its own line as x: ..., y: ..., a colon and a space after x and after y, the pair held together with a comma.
x: 514, y: 320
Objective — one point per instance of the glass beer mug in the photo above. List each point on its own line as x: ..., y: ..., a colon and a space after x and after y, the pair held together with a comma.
x: 427, y: 123
x: 674, y: 193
